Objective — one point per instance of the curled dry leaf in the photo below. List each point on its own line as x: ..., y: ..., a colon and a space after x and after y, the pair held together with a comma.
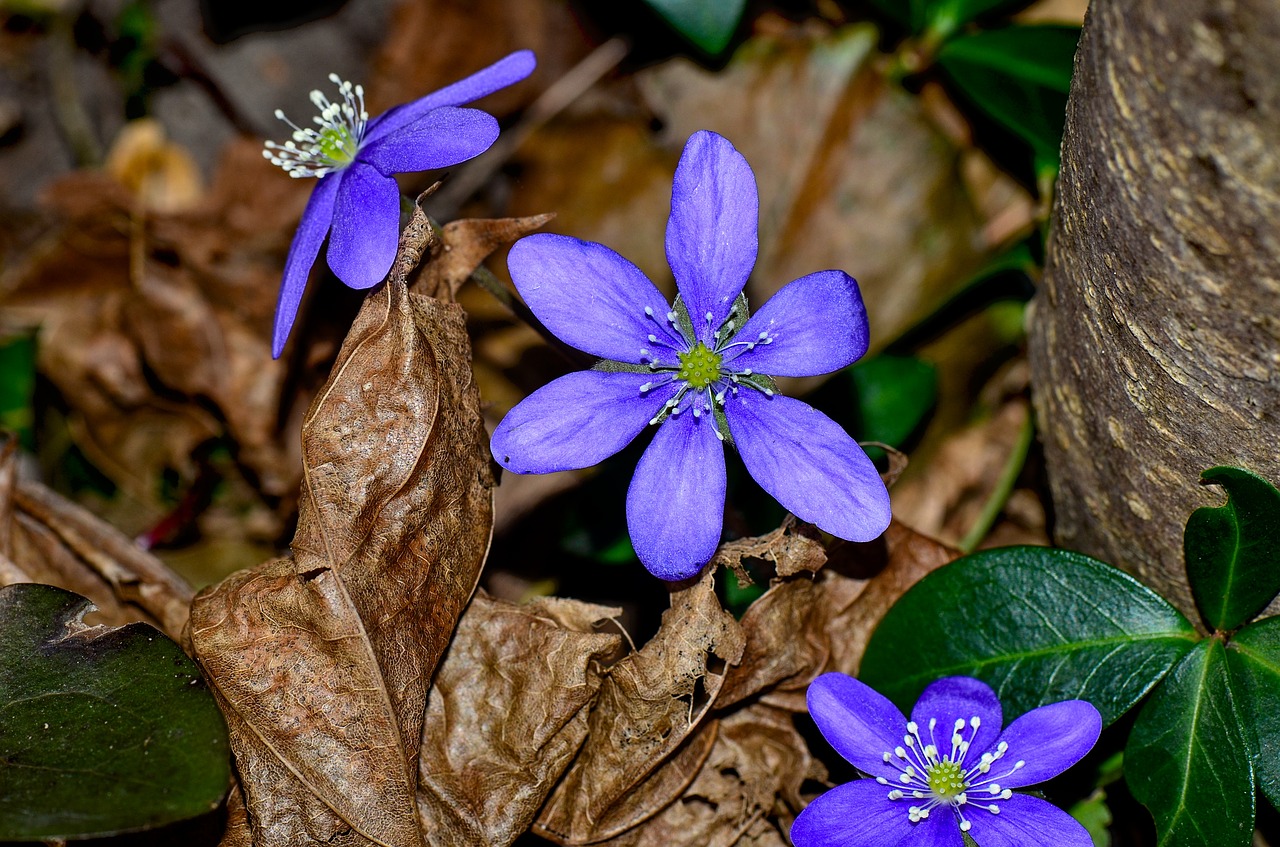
x: 462, y: 247
x: 149, y: 318
x: 750, y: 783
x: 322, y: 661
x: 803, y: 626
x: 507, y: 712
x: 644, y: 744
x: 46, y: 538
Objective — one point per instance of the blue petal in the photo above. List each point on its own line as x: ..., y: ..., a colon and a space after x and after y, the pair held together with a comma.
x: 1024, y: 820
x: 858, y: 721
x: 809, y: 464
x: 711, y: 234
x: 504, y: 72
x: 366, y: 227
x: 1049, y: 740
x: 959, y: 698
x: 816, y: 324
x: 302, y: 255
x: 441, y: 137
x: 860, y: 814
x: 576, y: 421
x: 675, y: 505
x: 592, y: 298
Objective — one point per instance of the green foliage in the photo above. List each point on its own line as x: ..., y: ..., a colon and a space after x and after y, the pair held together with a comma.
x: 1233, y: 552
x: 17, y: 386
x: 1254, y: 659
x: 1187, y: 760
x: 1038, y: 624
x: 940, y: 17
x: 708, y: 24
x: 884, y: 398
x: 1020, y: 76
x: 101, y: 730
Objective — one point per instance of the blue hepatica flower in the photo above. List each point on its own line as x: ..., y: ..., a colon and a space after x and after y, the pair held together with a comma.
x: 946, y: 770
x: 698, y: 369
x: 356, y: 201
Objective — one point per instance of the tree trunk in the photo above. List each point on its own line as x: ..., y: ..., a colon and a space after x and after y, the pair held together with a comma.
x: 1155, y: 343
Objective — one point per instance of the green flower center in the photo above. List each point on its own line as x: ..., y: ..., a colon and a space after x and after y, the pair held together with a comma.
x: 337, y: 144
x: 946, y: 780
x: 700, y: 366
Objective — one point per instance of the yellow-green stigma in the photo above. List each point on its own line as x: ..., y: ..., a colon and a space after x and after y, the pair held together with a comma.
x: 946, y: 779
x: 315, y: 152
x: 337, y: 145
x: 700, y: 366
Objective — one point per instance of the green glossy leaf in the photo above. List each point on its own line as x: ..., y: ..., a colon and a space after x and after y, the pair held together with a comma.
x: 102, y: 730
x: 1095, y: 816
x: 1037, y: 623
x: 1254, y: 659
x: 884, y: 398
x: 1233, y: 551
x: 709, y: 24
x: 1020, y: 76
x: 1187, y: 759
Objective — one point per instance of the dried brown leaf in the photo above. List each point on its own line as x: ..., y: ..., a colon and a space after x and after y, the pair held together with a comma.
x: 754, y: 772
x: 804, y: 626
x: 149, y: 317
x: 463, y: 246
x: 322, y: 661
x: 642, y: 747
x: 46, y: 538
x: 507, y: 712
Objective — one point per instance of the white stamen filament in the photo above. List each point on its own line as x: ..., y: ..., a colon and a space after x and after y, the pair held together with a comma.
x: 317, y: 152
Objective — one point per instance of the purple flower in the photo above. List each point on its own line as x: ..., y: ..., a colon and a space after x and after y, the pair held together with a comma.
x: 356, y: 201
x: 698, y: 369
x: 949, y: 769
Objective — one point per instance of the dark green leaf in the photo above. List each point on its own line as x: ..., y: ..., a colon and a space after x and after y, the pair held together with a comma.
x: 1254, y: 658
x: 709, y: 24
x: 1187, y: 760
x: 1020, y: 76
x: 101, y: 730
x: 884, y: 398
x: 1233, y: 552
x: 1037, y: 623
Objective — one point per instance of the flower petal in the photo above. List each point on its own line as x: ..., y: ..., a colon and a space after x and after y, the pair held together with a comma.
x: 1049, y: 740
x: 711, y: 234
x: 809, y: 464
x: 959, y: 698
x: 441, y: 137
x: 366, y: 227
x: 816, y: 325
x: 576, y: 421
x: 858, y: 721
x: 1025, y: 820
x: 675, y: 505
x: 312, y: 229
x: 861, y: 813
x: 504, y: 72
x: 592, y: 298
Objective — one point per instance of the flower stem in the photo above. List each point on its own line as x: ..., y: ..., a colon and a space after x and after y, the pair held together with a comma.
x: 1003, y: 489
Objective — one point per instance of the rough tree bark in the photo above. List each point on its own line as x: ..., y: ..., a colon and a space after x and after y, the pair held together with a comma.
x: 1155, y: 343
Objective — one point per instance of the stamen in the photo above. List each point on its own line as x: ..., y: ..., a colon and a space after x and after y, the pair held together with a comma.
x: 317, y: 152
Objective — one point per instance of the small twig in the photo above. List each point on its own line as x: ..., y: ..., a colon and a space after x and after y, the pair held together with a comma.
x: 554, y: 100
x: 67, y: 106
x: 1003, y: 489
x: 485, y: 278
